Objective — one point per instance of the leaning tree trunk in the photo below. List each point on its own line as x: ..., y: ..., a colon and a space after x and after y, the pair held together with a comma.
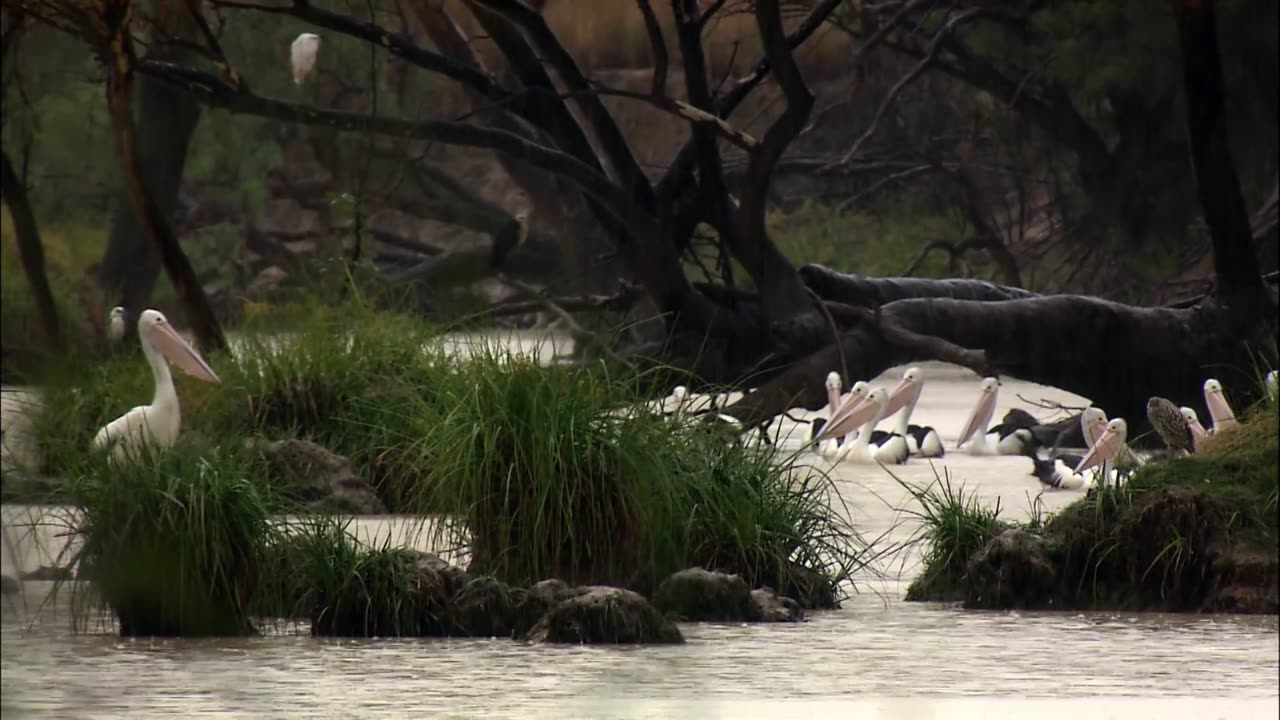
x: 30, y: 250
x: 1116, y: 355
x: 155, y: 226
x: 167, y: 118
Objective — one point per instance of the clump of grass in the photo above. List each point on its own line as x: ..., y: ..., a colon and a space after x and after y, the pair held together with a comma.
x: 549, y: 478
x: 171, y: 542
x: 954, y: 525
x: 347, y: 589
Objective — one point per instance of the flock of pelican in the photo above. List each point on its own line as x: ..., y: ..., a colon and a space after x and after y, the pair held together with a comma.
x: 848, y: 433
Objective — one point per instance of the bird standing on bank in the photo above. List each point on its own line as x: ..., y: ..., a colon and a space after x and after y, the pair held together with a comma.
x: 1170, y: 424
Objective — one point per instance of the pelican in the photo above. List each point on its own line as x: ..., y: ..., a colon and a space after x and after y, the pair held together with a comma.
x: 921, y: 440
x: 1198, y: 433
x: 158, y: 422
x: 115, y: 324
x: 845, y: 406
x: 302, y: 56
x: 681, y: 395
x: 1219, y: 411
x: 1093, y: 422
x: 1273, y: 384
x: 1003, y: 441
x: 862, y: 449
x: 1171, y: 425
x: 1056, y: 472
x: 1107, y: 448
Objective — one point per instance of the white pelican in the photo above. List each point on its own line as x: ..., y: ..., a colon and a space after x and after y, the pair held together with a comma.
x: 1107, y: 448
x: 302, y: 56
x: 921, y: 440
x: 1005, y: 441
x: 115, y: 324
x: 158, y: 422
x: 1093, y: 422
x: 845, y: 405
x: 1219, y: 411
x: 862, y: 449
x: 1198, y: 433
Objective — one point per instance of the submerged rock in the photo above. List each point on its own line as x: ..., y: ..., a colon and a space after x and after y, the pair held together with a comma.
x: 605, y: 615
x: 533, y: 604
x: 769, y: 606
x: 484, y: 607
x: 1013, y: 570
x: 696, y: 594
x: 318, y: 477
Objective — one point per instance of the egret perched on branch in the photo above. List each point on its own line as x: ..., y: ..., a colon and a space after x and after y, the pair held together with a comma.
x: 302, y: 55
x: 158, y: 422
x: 115, y: 325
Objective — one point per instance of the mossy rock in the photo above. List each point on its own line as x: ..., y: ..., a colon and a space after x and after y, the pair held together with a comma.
x: 605, y: 615
x: 1013, y: 570
x: 769, y: 606
x: 541, y: 598
x: 696, y: 595
x: 484, y: 607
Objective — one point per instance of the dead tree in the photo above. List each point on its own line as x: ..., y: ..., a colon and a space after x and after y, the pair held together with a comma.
x: 797, y: 324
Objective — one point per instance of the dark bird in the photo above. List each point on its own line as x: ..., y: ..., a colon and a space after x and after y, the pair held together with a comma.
x: 1170, y: 423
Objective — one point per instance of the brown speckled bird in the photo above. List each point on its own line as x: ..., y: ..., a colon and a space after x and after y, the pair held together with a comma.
x: 1168, y: 420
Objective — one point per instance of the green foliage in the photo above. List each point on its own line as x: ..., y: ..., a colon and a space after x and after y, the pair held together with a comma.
x: 171, y: 541
x: 953, y: 526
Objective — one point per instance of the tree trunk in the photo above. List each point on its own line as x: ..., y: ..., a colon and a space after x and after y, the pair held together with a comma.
x: 154, y: 223
x: 167, y: 118
x: 30, y: 250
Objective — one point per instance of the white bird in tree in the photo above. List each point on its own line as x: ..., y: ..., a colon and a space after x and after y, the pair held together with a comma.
x: 115, y: 324
x: 302, y: 56
x: 1219, y: 411
x: 155, y: 424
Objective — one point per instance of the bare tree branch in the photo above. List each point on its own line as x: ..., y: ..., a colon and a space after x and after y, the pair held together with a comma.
x: 658, y: 48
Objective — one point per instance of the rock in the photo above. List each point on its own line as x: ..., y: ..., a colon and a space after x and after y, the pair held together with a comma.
x: 9, y: 585
x: 1012, y: 570
x: 534, y: 604
x: 48, y: 573
x: 484, y: 607
x: 266, y: 281
x: 810, y: 588
x: 700, y: 595
x: 605, y: 615
x: 323, y: 479
x: 769, y: 606
x: 455, y: 577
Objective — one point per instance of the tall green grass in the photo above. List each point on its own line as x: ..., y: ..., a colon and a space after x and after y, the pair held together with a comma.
x: 953, y: 526
x: 171, y: 542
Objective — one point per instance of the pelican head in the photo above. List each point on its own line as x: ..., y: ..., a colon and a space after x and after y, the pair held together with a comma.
x: 982, y: 411
x: 833, y: 380
x: 1219, y: 410
x: 878, y: 397
x: 302, y: 56
x: 1119, y: 427
x: 157, y: 335
x: 680, y: 393
x: 907, y: 391
x: 1108, y: 445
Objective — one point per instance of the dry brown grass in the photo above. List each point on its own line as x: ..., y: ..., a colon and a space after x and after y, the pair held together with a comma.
x: 1255, y: 427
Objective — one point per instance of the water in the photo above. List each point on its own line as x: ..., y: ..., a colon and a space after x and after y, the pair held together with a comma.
x: 877, y: 657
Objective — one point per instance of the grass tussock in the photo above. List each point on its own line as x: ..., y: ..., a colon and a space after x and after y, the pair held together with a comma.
x: 954, y: 525
x: 171, y: 542
x: 1188, y: 534
x: 550, y: 479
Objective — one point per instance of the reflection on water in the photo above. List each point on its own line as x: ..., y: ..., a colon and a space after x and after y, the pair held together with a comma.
x: 878, y: 657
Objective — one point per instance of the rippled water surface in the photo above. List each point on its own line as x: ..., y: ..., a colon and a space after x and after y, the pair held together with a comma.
x: 877, y: 657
